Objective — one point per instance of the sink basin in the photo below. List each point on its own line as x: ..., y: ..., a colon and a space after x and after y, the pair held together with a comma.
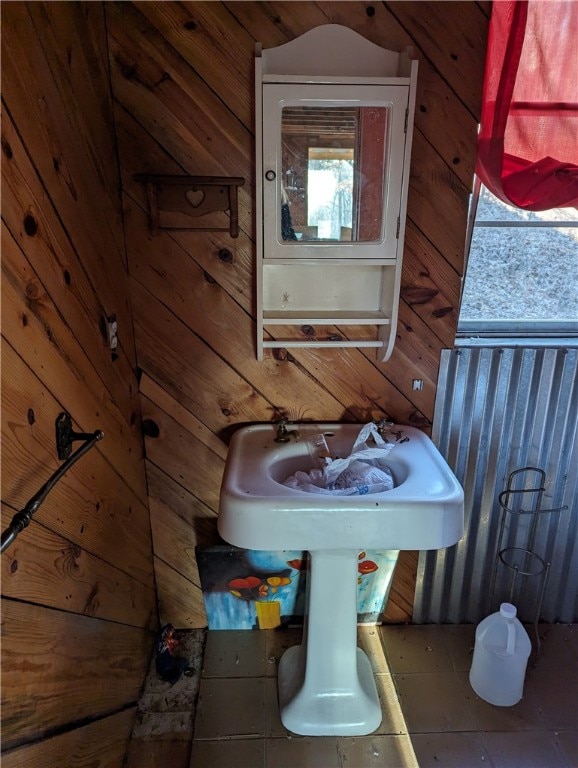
x: 326, y: 684
x: 424, y: 510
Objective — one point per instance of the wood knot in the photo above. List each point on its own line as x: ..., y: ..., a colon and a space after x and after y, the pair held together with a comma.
x: 209, y: 278
x: 14, y: 566
x: 442, y: 312
x: 280, y: 354
x: 417, y: 419
x: 30, y: 416
x: 128, y: 71
x: 92, y: 601
x: 7, y: 149
x: 30, y: 225
x: 150, y: 428
x: 32, y: 291
x: 418, y: 294
x: 163, y: 79
x: 225, y: 255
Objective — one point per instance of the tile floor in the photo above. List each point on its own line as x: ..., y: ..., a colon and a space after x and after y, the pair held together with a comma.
x: 432, y: 717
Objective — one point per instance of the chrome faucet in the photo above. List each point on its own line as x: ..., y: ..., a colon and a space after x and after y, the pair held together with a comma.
x: 283, y: 434
x: 383, y: 425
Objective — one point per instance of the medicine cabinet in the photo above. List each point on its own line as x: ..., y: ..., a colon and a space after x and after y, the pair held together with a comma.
x: 334, y: 117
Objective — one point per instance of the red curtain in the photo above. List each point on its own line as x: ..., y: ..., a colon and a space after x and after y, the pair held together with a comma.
x: 528, y: 140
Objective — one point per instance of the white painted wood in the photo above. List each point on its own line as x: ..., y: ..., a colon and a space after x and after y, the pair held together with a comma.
x: 259, y: 199
x: 389, y: 338
x: 325, y: 318
x: 310, y: 289
x: 292, y: 343
x: 336, y: 80
x: 355, y: 262
x: 331, y: 283
x: 331, y: 49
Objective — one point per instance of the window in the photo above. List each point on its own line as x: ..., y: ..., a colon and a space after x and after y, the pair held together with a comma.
x: 522, y: 271
x: 330, y: 192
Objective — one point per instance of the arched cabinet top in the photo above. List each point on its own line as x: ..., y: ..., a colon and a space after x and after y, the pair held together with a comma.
x: 333, y: 50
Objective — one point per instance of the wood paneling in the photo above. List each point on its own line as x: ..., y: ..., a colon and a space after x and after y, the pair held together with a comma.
x: 102, y: 744
x: 57, y: 114
x: 59, y: 668
x: 91, y: 502
x: 182, y: 77
x: 32, y: 324
x: 79, y: 603
x: 180, y: 600
x: 46, y: 568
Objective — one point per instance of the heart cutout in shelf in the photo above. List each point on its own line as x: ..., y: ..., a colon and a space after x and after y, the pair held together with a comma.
x: 195, y: 197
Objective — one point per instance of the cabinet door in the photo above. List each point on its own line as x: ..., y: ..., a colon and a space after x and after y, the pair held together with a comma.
x: 333, y: 168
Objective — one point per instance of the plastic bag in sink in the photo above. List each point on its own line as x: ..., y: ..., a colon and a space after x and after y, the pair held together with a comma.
x: 363, y: 471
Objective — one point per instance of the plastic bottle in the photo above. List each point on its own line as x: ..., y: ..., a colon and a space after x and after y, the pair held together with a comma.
x: 501, y: 654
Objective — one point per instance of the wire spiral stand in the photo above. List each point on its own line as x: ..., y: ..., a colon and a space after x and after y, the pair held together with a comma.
x: 523, y: 561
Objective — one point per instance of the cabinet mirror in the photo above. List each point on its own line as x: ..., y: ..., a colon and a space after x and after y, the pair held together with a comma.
x: 332, y: 173
x: 331, y: 176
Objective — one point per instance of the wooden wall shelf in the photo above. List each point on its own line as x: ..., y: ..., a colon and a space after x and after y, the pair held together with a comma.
x: 177, y: 202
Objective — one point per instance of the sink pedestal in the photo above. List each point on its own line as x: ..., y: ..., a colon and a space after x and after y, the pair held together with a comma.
x: 326, y: 685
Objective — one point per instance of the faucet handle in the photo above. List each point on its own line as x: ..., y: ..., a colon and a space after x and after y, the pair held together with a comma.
x: 383, y: 425
x: 282, y: 434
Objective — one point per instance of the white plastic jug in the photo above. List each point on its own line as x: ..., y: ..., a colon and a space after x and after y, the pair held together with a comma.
x: 501, y: 654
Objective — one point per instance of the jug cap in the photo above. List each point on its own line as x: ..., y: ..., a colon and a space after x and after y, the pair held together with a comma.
x: 508, y: 610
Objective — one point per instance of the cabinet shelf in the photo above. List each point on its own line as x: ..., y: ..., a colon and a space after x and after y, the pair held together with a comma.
x: 325, y: 318
x: 293, y: 343
x: 298, y: 262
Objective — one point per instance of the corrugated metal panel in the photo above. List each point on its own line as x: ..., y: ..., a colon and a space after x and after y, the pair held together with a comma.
x: 498, y: 410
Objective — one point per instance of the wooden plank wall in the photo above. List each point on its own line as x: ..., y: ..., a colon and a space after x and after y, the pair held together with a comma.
x: 183, y: 86
x: 78, y: 595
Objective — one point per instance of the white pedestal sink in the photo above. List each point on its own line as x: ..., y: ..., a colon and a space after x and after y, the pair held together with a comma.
x: 326, y: 685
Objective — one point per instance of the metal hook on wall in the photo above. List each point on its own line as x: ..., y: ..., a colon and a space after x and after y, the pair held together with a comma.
x: 65, y: 436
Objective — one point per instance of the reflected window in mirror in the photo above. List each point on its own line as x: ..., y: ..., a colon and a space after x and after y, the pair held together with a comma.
x: 333, y: 172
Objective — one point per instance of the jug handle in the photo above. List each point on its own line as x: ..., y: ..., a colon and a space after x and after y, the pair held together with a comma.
x: 511, y: 639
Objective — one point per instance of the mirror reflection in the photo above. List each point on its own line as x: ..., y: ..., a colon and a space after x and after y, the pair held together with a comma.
x: 333, y: 171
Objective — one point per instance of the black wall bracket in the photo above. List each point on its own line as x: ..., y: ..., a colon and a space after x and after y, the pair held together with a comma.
x: 65, y: 435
